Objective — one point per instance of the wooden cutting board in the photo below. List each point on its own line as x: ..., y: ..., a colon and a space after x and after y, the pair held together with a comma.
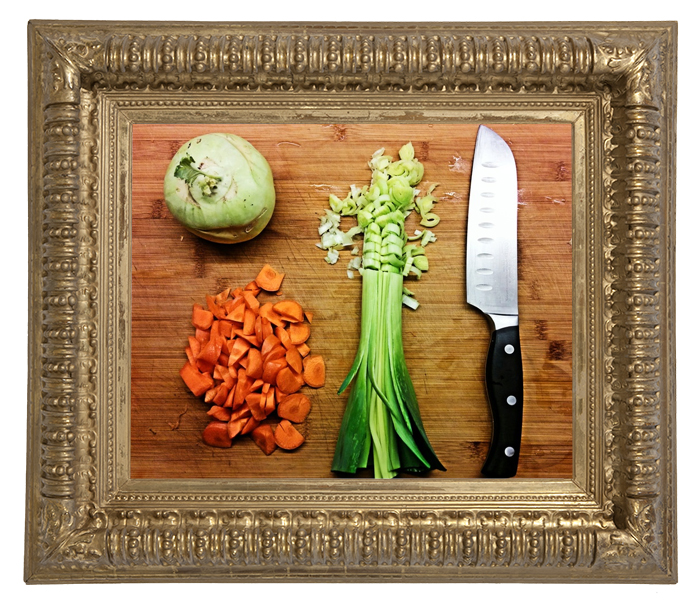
x: 445, y: 340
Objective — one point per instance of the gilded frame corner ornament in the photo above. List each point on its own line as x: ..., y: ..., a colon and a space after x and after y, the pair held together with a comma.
x: 615, y: 521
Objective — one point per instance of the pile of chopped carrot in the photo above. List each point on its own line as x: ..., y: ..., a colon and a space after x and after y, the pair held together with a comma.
x: 249, y: 361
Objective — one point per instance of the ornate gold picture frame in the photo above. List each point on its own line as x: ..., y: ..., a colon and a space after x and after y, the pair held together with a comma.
x: 613, y: 521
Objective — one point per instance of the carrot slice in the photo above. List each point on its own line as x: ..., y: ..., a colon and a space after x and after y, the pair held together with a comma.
x: 271, y: 369
x: 269, y: 279
x: 238, y: 351
x: 251, y: 301
x: 249, y: 319
x: 268, y: 313
x: 194, y: 344
x: 303, y: 349
x: 254, y: 369
x: 237, y: 313
x: 235, y: 426
x: 315, y: 371
x: 201, y: 318
x: 216, y: 435
x: 283, y: 335
x: 287, y: 437
x: 270, y: 401
x: 218, y: 311
x: 221, y: 394
x: 309, y: 316
x: 217, y: 412
x: 250, y: 426
x: 277, y: 352
x: 253, y: 287
x: 298, y: 332
x: 288, y: 380
x: 265, y: 328
x: 190, y: 357
x: 294, y: 359
x: 195, y: 380
x: 268, y: 344
x: 264, y: 438
x: 289, y: 310
x: 295, y: 407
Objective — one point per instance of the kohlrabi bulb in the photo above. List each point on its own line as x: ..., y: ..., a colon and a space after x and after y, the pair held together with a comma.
x: 220, y: 188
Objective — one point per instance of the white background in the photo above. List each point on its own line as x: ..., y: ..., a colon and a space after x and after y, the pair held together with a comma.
x: 14, y: 302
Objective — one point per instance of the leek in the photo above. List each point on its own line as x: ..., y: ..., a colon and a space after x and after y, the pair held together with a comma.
x: 382, y: 421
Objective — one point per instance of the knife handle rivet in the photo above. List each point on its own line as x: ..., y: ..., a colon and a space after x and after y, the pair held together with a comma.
x: 510, y: 349
x: 509, y: 451
x: 511, y: 400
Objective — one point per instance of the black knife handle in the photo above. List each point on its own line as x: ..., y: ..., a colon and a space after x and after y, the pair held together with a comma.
x: 504, y: 385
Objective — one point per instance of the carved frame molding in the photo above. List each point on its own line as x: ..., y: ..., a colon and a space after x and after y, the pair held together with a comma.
x: 615, y: 521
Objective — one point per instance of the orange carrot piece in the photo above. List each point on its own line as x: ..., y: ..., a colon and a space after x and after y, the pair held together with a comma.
x: 211, y: 351
x: 315, y: 371
x: 309, y: 315
x: 303, y: 349
x: 294, y: 407
x: 288, y: 380
x: 267, y: 313
x: 202, y: 335
x: 221, y: 394
x: 237, y: 313
x: 190, y: 356
x: 251, y: 339
x: 298, y: 332
x: 270, y: 401
x: 268, y: 344
x: 287, y: 437
x: 249, y: 319
x: 294, y: 359
x: 196, y: 381
x: 205, y: 367
x: 272, y: 368
x: 289, y: 310
x: 218, y: 311
x: 269, y: 279
x: 253, y: 287
x: 264, y: 438
x: 251, y: 301
x: 257, y: 405
x: 216, y: 435
x: 256, y: 384
x: 226, y: 328
x: 201, y: 318
x: 195, y: 345
x: 277, y: 352
x: 254, y: 368
x: 219, y: 413
x: 251, y: 425
x: 222, y: 296
x: 282, y: 334
x: 265, y: 328
x: 235, y: 426
x: 242, y: 388
x: 238, y: 351
x: 258, y: 329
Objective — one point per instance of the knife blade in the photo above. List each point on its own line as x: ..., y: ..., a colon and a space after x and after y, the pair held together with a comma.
x: 492, y: 287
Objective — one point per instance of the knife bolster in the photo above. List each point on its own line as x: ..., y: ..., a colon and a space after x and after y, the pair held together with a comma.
x: 501, y: 321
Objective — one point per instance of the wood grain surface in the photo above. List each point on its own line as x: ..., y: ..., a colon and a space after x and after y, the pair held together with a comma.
x: 445, y: 340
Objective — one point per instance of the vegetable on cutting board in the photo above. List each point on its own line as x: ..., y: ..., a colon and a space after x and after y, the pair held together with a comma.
x: 220, y: 188
x: 249, y: 361
x: 382, y: 419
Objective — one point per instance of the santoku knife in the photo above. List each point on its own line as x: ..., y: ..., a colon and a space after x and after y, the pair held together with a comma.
x: 492, y: 287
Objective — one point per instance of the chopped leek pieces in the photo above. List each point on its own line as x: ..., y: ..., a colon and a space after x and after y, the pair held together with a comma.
x: 382, y: 419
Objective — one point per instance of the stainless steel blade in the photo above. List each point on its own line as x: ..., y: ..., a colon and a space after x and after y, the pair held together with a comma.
x: 492, y: 232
